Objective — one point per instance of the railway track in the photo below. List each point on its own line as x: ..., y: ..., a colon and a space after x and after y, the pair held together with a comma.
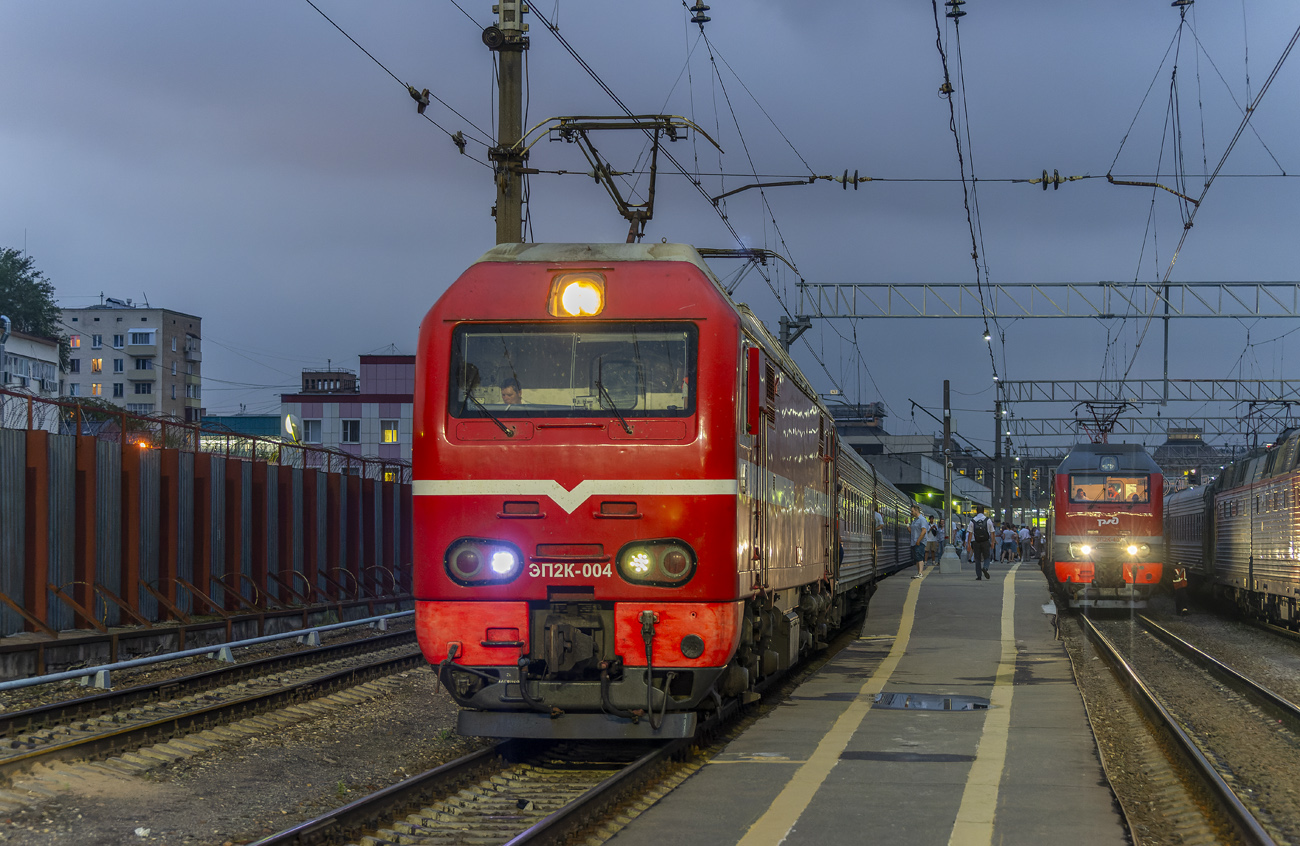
x: 117, y: 722
x: 1238, y: 738
x: 537, y: 792
x: 515, y: 792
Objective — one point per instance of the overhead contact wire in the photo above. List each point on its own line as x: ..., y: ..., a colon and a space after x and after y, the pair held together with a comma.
x: 1241, y: 128
x: 404, y: 85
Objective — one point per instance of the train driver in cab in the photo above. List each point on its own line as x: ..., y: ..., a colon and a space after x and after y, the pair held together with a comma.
x: 511, y: 392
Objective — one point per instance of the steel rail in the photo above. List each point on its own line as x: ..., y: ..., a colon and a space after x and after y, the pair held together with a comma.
x: 1277, y: 630
x: 1231, y: 805
x: 215, y: 649
x: 35, y: 719
x: 373, y: 811
x: 564, y: 822
x: 369, y: 811
x: 104, y: 744
x: 1279, y: 705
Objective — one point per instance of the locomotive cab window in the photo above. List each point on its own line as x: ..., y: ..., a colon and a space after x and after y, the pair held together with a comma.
x: 1100, y: 487
x: 568, y: 370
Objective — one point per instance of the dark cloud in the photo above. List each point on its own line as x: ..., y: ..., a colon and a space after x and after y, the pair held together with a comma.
x: 243, y: 161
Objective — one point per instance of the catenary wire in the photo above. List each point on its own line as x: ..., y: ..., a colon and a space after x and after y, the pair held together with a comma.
x: 445, y: 104
x: 1263, y: 89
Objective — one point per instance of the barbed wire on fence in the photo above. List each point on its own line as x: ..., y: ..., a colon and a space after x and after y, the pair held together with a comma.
x: 70, y: 417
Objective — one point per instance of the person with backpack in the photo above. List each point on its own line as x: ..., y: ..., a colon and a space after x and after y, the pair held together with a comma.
x: 979, y: 538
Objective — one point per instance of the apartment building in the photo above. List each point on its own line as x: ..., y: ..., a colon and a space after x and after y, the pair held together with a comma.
x: 368, y: 416
x: 146, y: 360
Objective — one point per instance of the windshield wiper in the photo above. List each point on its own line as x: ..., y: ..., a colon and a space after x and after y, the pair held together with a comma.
x: 510, y: 433
x: 600, y: 386
x: 471, y: 382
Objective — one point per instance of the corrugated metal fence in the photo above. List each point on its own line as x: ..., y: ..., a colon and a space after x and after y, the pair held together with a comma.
x: 95, y: 533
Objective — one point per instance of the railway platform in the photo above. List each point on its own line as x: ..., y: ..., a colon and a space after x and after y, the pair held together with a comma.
x: 953, y: 719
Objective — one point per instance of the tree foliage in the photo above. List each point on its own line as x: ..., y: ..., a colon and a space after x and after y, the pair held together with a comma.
x: 27, y: 299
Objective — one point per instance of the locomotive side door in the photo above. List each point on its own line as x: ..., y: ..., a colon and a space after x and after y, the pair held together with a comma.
x: 763, y: 519
x: 759, y: 484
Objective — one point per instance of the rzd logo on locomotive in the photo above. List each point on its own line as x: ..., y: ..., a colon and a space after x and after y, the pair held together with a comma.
x: 1112, y: 520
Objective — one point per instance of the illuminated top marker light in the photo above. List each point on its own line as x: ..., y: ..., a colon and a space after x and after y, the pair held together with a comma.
x: 639, y: 563
x: 577, y: 295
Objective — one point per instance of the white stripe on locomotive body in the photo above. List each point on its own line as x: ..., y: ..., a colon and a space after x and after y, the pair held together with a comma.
x: 571, y: 500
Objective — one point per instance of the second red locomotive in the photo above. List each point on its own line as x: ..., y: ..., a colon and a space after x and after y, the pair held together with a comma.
x: 1106, y: 533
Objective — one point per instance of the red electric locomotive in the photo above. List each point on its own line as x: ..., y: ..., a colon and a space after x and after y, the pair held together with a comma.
x: 1106, y: 527
x: 624, y: 495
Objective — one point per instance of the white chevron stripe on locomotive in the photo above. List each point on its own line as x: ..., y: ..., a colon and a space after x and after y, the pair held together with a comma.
x: 569, y: 500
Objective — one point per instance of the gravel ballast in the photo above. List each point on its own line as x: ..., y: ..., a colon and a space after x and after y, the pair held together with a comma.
x: 255, y: 782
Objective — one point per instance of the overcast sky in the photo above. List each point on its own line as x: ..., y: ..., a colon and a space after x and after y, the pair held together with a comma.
x: 245, y: 162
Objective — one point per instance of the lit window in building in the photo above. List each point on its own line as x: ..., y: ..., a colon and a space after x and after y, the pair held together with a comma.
x: 390, y: 475
x: 75, y: 342
x: 96, y: 389
x: 351, y: 432
x: 389, y: 429
x: 96, y: 365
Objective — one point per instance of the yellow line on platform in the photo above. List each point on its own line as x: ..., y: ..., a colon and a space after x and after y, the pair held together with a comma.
x: 775, y: 824
x: 979, y: 801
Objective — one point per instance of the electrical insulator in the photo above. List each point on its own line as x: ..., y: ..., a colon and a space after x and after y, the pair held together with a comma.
x: 697, y: 14
x: 955, y: 7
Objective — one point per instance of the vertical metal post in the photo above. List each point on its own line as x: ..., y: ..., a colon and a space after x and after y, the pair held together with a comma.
x: 948, y: 562
x: 508, y: 41
x: 947, y: 460
x: 1165, y: 401
x: 996, y: 485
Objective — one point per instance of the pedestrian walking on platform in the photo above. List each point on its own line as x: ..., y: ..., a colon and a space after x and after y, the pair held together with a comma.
x: 1008, y: 543
x: 1024, y: 543
x: 920, y: 526
x: 979, y: 540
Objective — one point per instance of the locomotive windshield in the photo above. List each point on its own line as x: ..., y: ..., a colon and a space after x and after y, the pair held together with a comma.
x: 1100, y: 487
x: 568, y: 370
